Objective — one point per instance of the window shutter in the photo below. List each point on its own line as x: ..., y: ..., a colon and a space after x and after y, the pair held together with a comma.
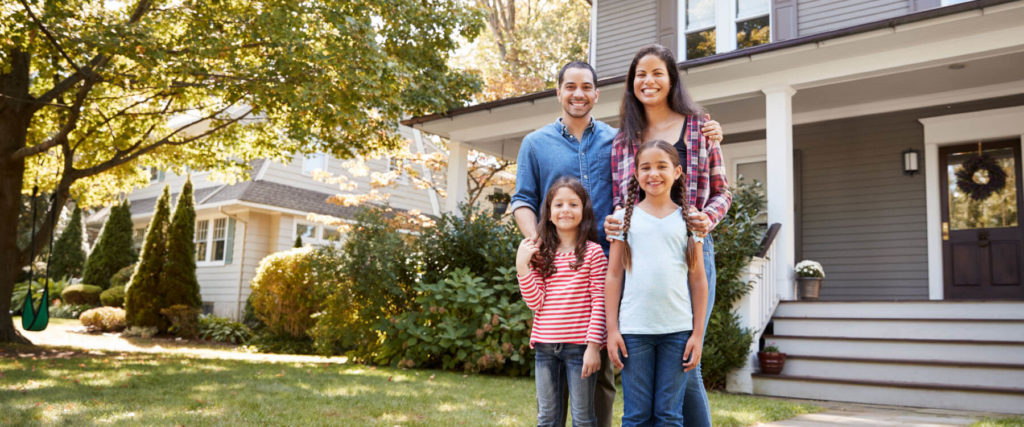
x: 919, y: 5
x: 229, y: 242
x: 668, y: 25
x: 784, y: 26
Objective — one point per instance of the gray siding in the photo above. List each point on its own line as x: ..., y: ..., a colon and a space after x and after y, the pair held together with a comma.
x: 623, y: 27
x: 818, y: 16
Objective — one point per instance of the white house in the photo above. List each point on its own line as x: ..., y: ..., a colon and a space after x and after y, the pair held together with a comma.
x: 856, y: 114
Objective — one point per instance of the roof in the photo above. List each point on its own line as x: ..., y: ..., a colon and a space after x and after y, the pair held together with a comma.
x: 739, y: 53
x: 261, y: 192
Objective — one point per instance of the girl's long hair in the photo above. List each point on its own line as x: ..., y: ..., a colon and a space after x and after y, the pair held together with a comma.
x: 548, y: 234
x: 632, y: 113
x: 677, y: 194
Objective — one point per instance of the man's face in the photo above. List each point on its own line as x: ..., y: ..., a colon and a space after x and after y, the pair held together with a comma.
x: 577, y: 94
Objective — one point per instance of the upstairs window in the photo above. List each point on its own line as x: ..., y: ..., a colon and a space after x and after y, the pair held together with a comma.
x: 312, y: 162
x: 700, y: 28
x: 717, y: 26
x: 752, y: 23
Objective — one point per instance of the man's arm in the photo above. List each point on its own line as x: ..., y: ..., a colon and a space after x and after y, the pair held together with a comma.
x: 526, y: 200
x: 526, y: 219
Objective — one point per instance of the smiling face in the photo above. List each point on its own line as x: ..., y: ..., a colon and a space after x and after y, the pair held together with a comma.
x: 566, y: 209
x: 651, y: 83
x: 577, y: 93
x: 656, y: 172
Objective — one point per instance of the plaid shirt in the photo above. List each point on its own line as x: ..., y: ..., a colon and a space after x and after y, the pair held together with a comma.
x: 705, y: 180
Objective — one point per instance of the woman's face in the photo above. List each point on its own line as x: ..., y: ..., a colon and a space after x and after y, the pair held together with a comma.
x: 651, y: 83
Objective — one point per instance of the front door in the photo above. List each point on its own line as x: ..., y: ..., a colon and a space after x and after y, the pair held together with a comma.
x: 982, y: 239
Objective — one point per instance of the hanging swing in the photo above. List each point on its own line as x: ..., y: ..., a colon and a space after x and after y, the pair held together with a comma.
x: 36, y: 318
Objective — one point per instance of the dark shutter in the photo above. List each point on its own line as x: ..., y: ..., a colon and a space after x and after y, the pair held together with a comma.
x: 668, y: 25
x: 229, y: 241
x: 919, y: 5
x: 784, y: 26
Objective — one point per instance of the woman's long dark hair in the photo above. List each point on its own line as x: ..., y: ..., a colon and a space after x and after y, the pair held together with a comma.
x: 631, y: 113
x: 548, y: 234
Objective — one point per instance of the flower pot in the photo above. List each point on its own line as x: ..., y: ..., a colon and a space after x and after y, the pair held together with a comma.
x: 771, y: 363
x: 809, y: 287
x: 499, y: 208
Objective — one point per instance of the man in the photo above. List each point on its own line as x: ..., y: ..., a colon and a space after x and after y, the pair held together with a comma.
x: 579, y: 146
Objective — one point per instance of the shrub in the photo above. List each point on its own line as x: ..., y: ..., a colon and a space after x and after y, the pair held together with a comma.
x: 473, y: 240
x: 737, y: 237
x: 140, y: 331
x: 113, y: 249
x: 82, y: 294
x: 68, y: 311
x: 122, y: 277
x: 184, y: 320
x: 143, y: 297
x: 113, y: 297
x: 20, y: 290
x: 103, y: 319
x: 289, y: 287
x: 68, y: 257
x: 266, y: 342
x: 222, y: 330
x: 178, y: 276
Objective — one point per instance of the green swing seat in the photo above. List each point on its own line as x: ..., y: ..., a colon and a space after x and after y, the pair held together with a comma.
x: 32, y: 318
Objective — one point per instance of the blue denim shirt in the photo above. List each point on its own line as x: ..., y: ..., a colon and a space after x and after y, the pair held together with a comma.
x: 551, y: 152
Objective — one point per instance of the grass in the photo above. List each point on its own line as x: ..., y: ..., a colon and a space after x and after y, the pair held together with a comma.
x: 1000, y: 422
x: 58, y: 386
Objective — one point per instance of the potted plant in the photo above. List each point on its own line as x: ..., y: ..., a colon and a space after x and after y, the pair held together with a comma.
x: 809, y: 275
x: 771, y: 360
x: 500, y: 201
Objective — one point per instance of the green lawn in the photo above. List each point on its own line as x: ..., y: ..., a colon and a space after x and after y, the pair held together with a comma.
x: 1000, y: 422
x: 58, y: 386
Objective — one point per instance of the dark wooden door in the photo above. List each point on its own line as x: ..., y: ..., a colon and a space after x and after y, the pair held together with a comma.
x: 982, y: 240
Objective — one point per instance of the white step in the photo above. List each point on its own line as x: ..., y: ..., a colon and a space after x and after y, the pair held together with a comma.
x: 973, y: 329
x: 966, y: 351
x: 953, y: 373
x: 904, y: 309
x: 923, y: 395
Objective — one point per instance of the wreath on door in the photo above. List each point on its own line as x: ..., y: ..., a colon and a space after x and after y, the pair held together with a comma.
x: 971, y: 181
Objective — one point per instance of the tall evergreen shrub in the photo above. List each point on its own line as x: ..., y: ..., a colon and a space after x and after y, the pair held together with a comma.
x: 68, y: 256
x: 113, y: 250
x: 178, y: 276
x: 144, y: 297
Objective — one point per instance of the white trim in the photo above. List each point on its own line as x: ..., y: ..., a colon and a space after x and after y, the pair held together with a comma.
x: 742, y: 152
x: 211, y: 220
x: 950, y: 130
x: 725, y: 26
x: 593, y: 35
x: 779, y: 186
x: 417, y: 138
x: 263, y: 169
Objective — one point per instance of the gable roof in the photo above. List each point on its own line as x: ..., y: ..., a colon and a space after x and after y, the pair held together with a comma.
x: 261, y: 192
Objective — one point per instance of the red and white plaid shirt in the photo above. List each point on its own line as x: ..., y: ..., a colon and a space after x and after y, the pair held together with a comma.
x: 706, y: 182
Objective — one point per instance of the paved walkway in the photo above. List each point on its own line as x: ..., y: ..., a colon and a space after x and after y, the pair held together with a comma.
x: 851, y: 414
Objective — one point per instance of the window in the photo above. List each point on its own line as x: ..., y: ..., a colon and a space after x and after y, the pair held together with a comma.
x: 700, y: 28
x: 317, y: 235
x: 211, y: 245
x: 138, y: 236
x: 307, y: 232
x: 715, y: 26
x: 749, y: 172
x: 752, y: 27
x: 202, y: 231
x: 220, y: 228
x: 312, y: 162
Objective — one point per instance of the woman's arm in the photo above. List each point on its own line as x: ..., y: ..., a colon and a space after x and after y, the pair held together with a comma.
x: 719, y: 196
x: 612, y: 296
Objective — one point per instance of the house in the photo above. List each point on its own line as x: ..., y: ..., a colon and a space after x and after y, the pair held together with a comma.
x: 238, y: 224
x: 856, y: 115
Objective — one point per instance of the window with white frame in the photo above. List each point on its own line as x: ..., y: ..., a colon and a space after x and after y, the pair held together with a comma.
x: 952, y: 2
x: 753, y: 170
x: 211, y: 239
x: 752, y: 23
x: 700, y: 28
x: 715, y: 26
x: 312, y: 162
x: 317, y: 234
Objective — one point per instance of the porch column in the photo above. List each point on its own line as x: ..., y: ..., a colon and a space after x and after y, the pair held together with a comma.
x: 458, y: 160
x: 779, y: 183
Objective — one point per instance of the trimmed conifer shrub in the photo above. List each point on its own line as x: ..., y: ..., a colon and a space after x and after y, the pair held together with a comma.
x: 143, y: 297
x: 113, y: 297
x: 178, y: 276
x: 68, y: 257
x: 81, y: 294
x: 122, y: 277
x: 113, y: 250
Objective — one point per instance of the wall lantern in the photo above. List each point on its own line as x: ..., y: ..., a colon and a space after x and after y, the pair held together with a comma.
x: 911, y: 161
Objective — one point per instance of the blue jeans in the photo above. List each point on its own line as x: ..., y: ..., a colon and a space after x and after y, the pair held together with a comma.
x: 558, y: 365
x: 653, y: 380
x: 696, y: 410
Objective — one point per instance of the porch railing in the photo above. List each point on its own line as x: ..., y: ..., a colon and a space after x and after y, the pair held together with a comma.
x: 756, y: 308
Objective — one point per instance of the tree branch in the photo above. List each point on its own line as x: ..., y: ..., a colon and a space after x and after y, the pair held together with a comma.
x: 50, y: 36
x: 62, y: 135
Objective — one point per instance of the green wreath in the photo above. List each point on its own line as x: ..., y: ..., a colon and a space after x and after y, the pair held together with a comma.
x: 978, y: 190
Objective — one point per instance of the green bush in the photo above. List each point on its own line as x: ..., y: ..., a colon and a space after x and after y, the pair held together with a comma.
x: 82, y: 294
x: 222, y: 330
x: 736, y: 241
x: 113, y: 249
x: 265, y: 341
x: 103, y: 319
x: 472, y: 240
x: 184, y: 320
x: 378, y: 271
x: 21, y: 288
x: 178, y: 280
x: 122, y: 277
x: 68, y: 257
x: 143, y: 296
x: 291, y: 286
x: 113, y: 297
x: 68, y: 311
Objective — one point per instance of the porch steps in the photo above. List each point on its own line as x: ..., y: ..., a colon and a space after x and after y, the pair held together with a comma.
x: 951, y: 355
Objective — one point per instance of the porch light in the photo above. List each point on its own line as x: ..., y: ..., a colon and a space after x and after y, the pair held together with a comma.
x: 911, y: 159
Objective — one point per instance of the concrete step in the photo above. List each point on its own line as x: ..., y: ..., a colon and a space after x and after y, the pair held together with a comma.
x: 904, y: 309
x: 952, y: 373
x: 876, y: 327
x: 931, y: 395
x: 963, y: 351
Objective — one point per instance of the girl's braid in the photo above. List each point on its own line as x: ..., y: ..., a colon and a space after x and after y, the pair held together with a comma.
x: 632, y: 191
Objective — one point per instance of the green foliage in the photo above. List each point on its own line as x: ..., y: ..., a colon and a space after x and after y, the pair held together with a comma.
x: 771, y: 348
x: 222, y: 330
x: 103, y: 319
x: 298, y: 242
x: 290, y: 287
x: 178, y: 274
x: 113, y: 250
x: 473, y: 240
x: 378, y: 272
x: 143, y: 296
x: 265, y: 341
x: 122, y: 277
x: 20, y: 291
x: 184, y: 320
x: 68, y: 257
x: 736, y: 241
x: 82, y: 294
x: 113, y: 296
x: 68, y: 311
x: 249, y: 317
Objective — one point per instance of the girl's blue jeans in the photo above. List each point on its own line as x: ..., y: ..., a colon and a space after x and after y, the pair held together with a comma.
x: 653, y: 380
x: 558, y: 365
x: 696, y: 410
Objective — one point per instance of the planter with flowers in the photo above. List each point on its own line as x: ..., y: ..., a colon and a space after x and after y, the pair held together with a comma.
x: 771, y: 360
x: 499, y: 199
x: 809, y: 275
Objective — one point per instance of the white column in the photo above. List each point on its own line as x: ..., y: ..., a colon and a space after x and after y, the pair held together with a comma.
x: 779, y: 183
x: 458, y: 160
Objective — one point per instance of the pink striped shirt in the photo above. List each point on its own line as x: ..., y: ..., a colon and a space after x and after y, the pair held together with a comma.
x: 568, y: 306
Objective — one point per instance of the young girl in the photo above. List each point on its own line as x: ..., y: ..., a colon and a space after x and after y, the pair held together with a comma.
x: 564, y: 286
x: 659, y: 327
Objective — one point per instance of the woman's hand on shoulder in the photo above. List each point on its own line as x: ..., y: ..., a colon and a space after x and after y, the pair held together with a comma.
x: 712, y: 130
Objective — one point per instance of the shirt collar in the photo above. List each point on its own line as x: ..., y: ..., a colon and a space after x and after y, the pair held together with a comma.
x: 564, y: 130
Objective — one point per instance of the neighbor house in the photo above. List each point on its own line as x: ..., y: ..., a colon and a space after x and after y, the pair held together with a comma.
x: 856, y: 115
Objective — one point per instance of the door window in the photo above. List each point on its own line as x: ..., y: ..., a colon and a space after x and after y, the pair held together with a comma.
x: 998, y: 210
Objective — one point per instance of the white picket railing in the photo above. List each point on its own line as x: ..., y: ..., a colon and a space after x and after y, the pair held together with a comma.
x: 755, y: 311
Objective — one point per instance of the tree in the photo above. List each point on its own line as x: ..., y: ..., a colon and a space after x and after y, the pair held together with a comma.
x: 113, y: 249
x: 92, y: 89
x: 178, y: 274
x: 144, y: 297
x: 68, y: 255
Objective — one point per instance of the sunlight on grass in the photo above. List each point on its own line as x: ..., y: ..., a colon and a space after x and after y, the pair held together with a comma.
x: 1000, y: 422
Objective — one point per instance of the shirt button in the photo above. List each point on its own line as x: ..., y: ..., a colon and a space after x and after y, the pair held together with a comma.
x: 584, y: 177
